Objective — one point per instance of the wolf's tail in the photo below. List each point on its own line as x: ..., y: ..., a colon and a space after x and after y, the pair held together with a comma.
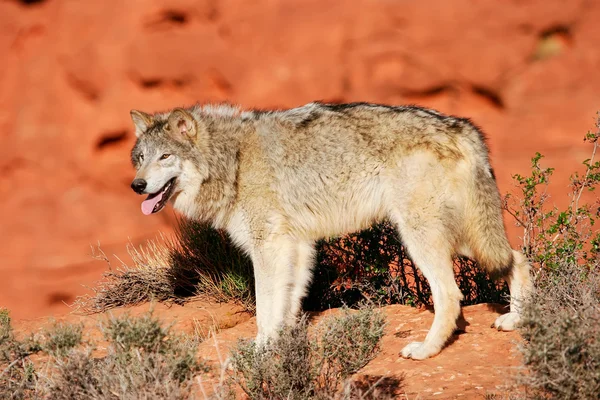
x: 485, y: 233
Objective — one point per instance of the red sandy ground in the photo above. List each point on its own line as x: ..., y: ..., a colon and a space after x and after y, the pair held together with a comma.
x: 478, y: 361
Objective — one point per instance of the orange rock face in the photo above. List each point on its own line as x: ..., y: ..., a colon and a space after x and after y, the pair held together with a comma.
x: 526, y: 72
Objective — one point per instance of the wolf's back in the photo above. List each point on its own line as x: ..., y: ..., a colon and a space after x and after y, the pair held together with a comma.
x: 318, y: 149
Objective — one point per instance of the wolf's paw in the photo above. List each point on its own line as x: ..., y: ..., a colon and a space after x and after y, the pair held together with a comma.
x: 417, y: 351
x: 507, y: 322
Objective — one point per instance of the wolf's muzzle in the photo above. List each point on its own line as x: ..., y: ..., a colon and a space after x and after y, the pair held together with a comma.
x: 139, y: 185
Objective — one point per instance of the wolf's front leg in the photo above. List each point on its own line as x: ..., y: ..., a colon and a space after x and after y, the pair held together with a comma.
x: 303, y: 270
x: 273, y: 275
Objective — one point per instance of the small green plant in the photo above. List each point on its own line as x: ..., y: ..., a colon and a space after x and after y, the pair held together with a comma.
x: 348, y: 343
x: 59, y: 339
x: 144, y: 333
x: 5, y: 328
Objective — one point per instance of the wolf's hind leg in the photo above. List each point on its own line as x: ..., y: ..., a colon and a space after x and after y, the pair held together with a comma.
x: 430, y: 250
x: 303, y: 270
x: 273, y: 275
x: 520, y: 285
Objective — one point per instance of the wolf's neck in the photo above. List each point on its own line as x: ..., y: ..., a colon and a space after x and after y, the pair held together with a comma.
x: 211, y: 200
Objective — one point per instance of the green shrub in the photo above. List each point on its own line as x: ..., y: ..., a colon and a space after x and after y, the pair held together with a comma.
x: 561, y: 321
x: 59, y: 339
x: 553, y: 236
x: 17, y: 374
x: 145, y: 333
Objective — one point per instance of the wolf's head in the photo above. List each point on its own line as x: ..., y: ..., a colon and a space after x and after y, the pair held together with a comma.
x: 167, y: 156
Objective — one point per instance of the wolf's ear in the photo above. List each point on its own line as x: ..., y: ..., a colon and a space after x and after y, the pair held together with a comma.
x: 182, y: 124
x: 141, y: 120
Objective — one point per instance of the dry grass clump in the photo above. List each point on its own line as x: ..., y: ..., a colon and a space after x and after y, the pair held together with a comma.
x: 300, y: 365
x: 197, y: 261
x: 223, y: 272
x: 150, y: 278
x: 562, y: 327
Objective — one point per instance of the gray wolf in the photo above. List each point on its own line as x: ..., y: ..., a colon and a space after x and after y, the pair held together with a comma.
x: 277, y: 181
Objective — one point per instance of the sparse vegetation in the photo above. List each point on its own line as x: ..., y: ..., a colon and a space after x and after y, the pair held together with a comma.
x: 59, y: 339
x: 146, y: 360
x: 561, y: 321
x: 18, y: 376
x: 143, y: 360
x: 562, y: 328
x: 304, y: 365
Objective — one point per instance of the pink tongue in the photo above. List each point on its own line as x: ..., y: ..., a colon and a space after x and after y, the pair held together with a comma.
x: 148, y: 204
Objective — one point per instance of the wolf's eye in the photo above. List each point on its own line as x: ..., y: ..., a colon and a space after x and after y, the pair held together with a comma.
x: 165, y: 156
x: 141, y: 157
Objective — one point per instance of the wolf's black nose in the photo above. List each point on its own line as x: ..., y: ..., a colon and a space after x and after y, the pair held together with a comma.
x: 138, y: 185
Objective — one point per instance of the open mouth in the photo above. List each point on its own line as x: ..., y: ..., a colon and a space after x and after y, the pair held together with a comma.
x: 156, y: 201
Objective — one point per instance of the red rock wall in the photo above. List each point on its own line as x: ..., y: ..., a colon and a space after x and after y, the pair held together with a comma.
x: 525, y: 71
